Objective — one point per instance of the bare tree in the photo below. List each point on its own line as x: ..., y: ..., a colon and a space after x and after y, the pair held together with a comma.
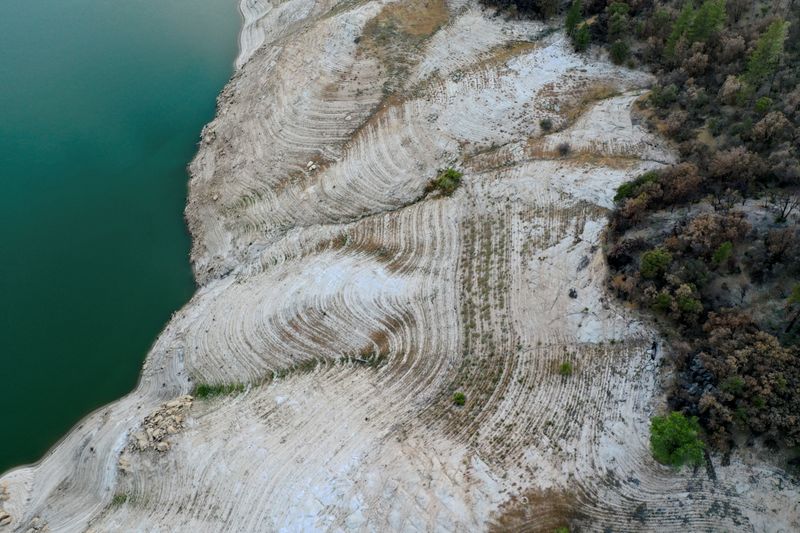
x: 784, y: 203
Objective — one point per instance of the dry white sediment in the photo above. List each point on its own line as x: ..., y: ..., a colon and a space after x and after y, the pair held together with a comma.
x: 354, y: 305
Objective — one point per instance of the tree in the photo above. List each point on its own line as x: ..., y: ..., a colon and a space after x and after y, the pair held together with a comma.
x: 679, y: 28
x: 675, y: 440
x: 767, y: 55
x: 707, y: 21
x: 619, y: 52
x: 654, y: 263
x: 783, y: 203
x: 723, y: 253
x: 793, y: 301
x: 573, y: 16
x: 581, y: 37
x: 617, y: 20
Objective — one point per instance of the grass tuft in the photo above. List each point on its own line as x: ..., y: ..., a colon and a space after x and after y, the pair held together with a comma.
x: 205, y: 390
x: 446, y: 182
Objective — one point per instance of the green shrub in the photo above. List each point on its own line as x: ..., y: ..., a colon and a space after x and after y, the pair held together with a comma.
x: 763, y: 104
x: 767, y: 54
x: 654, y: 263
x: 663, y: 97
x: 581, y: 38
x: 732, y: 385
x: 459, y: 398
x: 618, y: 23
x: 662, y: 302
x: 619, y: 52
x: 723, y: 253
x: 546, y: 124
x: 562, y: 529
x: 707, y: 20
x: 565, y: 368
x: 689, y: 305
x: 205, y: 390
x: 447, y: 181
x: 675, y: 440
x: 118, y: 499
x: 573, y: 16
x: 628, y: 189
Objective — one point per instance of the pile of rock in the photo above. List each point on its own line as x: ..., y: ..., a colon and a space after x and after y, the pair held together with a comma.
x: 167, y: 420
x: 5, y: 518
x: 37, y: 525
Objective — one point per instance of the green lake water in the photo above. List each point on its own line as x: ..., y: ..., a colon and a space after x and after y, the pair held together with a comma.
x: 101, y: 107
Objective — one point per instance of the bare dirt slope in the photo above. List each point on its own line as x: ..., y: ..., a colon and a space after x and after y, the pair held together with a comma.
x: 352, y: 304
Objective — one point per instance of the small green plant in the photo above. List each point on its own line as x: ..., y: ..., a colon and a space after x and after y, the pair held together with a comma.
x: 581, y: 38
x: 763, y: 104
x: 565, y: 368
x: 619, y: 52
x: 446, y: 182
x: 662, y: 301
x: 675, y: 440
x: 118, y: 499
x: 459, y: 398
x: 663, y: 97
x: 689, y: 305
x: 733, y: 385
x: 629, y: 188
x: 205, y: 390
x: 654, y: 263
x: 573, y: 16
x: 546, y: 124
x: 723, y: 253
x: 562, y: 529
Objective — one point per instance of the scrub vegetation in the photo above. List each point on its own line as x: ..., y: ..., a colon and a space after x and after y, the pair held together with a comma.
x: 205, y: 390
x: 711, y: 244
x: 446, y: 182
x: 675, y: 440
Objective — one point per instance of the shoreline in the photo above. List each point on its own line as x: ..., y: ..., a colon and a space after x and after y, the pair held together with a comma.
x: 359, y: 263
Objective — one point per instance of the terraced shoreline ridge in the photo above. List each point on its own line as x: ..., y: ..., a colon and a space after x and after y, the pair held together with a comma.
x: 344, y: 304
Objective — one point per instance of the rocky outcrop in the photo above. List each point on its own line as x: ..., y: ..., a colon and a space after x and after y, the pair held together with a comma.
x: 162, y: 424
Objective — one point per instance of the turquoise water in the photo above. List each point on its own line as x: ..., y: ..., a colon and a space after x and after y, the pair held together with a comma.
x: 101, y: 106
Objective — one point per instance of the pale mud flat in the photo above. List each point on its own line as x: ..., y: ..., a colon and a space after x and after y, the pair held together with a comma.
x: 353, y: 305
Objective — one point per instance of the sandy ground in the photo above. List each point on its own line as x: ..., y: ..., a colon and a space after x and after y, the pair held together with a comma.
x: 352, y: 304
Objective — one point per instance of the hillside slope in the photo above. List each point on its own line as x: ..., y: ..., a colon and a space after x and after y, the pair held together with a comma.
x: 351, y: 302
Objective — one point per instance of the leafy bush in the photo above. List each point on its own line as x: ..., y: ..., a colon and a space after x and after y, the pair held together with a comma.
x: 619, y: 52
x: 662, y: 302
x: 627, y: 189
x: 573, y: 16
x: 565, y: 368
x: 446, y: 182
x: 654, y: 263
x: 767, y: 54
x: 205, y: 390
x: 118, y: 499
x: 663, y: 97
x: 546, y: 124
x: 723, y: 253
x: 763, y: 104
x: 675, y: 440
x: 459, y: 398
x: 581, y: 38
